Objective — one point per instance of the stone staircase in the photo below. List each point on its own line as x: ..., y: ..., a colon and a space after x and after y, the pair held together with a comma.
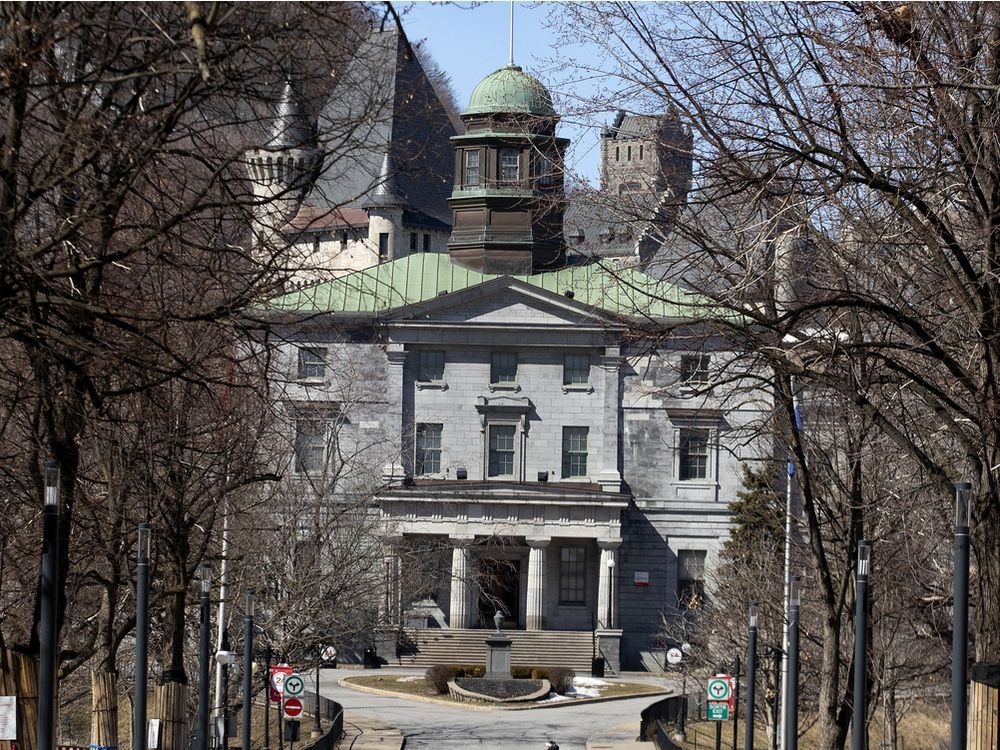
x: 426, y: 647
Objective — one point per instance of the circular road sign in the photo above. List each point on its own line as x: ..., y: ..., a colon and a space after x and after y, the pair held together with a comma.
x: 294, y: 686
x: 293, y: 708
x: 719, y: 688
x: 674, y: 656
x: 329, y: 653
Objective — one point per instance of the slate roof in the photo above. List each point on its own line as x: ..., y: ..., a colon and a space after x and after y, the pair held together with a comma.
x: 384, y: 103
x: 422, y: 277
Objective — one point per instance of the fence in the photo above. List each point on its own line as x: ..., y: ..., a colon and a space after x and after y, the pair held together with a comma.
x: 984, y: 706
x: 669, y: 711
x: 329, y: 710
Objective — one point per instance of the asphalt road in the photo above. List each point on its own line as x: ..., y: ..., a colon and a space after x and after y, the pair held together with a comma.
x: 430, y: 725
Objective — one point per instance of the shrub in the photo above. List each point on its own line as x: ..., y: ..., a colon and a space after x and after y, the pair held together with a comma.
x: 467, y: 670
x: 439, y: 676
x: 561, y: 679
x: 539, y: 673
x: 522, y: 673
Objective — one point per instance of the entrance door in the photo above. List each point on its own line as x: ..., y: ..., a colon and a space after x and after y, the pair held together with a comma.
x: 500, y: 590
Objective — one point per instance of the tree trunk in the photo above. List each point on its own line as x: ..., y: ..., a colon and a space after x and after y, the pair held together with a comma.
x: 169, y: 708
x: 104, y: 710
x: 986, y: 582
x: 19, y: 676
x: 832, y: 735
x: 889, y: 718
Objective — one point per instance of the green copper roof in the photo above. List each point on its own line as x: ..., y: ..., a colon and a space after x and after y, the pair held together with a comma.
x: 511, y: 90
x: 424, y: 276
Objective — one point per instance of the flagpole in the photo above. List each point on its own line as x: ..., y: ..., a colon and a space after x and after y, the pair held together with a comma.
x: 789, y: 473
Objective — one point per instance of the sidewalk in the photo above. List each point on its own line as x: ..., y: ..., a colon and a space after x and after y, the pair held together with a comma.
x: 622, y: 737
x: 365, y: 733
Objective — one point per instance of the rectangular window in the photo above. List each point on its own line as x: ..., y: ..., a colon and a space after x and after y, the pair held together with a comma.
x: 343, y: 240
x: 312, y: 363
x: 640, y: 152
x: 311, y: 453
x: 471, y: 168
x: 629, y: 153
x: 544, y: 171
x: 576, y: 369
x: 501, y: 458
x: 574, y: 452
x: 413, y: 242
x: 503, y: 367
x: 573, y: 575
x: 383, y: 246
x: 427, y: 243
x: 428, y: 449
x: 693, y: 451
x: 690, y: 578
x: 430, y: 367
x: 694, y: 368
x: 509, y: 170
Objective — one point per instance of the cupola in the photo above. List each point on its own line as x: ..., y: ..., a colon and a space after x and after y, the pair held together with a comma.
x: 508, y: 197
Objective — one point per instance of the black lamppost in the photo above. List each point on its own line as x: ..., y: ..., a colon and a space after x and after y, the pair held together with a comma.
x: 267, y: 696
x: 858, y: 734
x: 960, y: 624
x: 48, y: 648
x: 225, y: 657
x: 205, y: 574
x: 751, y: 677
x: 248, y: 670
x: 792, y: 704
x: 141, y: 631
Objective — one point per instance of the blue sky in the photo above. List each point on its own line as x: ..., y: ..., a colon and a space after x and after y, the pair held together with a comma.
x: 470, y: 40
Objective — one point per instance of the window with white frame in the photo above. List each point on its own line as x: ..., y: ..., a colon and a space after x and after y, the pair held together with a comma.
x: 690, y: 578
x: 574, y: 452
x: 693, y: 453
x: 430, y: 366
x: 503, y: 368
x: 471, y: 168
x: 576, y: 369
x: 694, y: 369
x: 502, y: 450
x: 509, y: 167
x: 573, y: 575
x: 428, y: 449
x: 312, y: 363
x: 312, y: 445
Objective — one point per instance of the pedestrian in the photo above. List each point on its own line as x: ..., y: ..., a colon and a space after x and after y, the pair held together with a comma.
x: 550, y: 745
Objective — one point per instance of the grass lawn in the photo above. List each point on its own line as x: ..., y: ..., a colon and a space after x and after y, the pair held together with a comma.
x: 416, y: 685
x: 925, y: 726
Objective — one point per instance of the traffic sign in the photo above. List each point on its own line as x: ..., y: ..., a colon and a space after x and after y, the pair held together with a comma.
x: 293, y: 686
x: 718, y: 710
x: 278, y: 675
x: 674, y: 656
x: 720, y: 687
x: 329, y: 653
x: 293, y: 708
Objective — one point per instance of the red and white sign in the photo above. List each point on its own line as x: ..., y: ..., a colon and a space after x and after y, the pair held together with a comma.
x: 278, y: 675
x: 293, y: 708
x: 641, y: 578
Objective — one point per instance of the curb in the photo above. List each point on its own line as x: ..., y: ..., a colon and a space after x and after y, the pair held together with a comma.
x: 343, y: 682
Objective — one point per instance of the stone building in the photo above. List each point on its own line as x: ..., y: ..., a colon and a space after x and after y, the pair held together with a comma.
x: 555, y: 466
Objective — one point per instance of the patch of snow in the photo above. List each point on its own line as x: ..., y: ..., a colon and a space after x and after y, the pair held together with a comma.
x: 584, y: 692
x: 410, y: 678
x: 590, y: 682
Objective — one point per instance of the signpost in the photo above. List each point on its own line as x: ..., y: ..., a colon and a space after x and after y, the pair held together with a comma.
x: 8, y: 717
x: 293, y: 708
x: 278, y: 675
x: 674, y: 656
x: 293, y: 686
x: 718, y: 711
x: 720, y: 703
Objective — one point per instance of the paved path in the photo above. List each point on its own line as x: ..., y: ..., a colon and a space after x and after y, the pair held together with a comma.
x: 431, y: 726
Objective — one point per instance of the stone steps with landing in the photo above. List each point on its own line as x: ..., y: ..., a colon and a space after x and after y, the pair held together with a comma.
x: 536, y: 648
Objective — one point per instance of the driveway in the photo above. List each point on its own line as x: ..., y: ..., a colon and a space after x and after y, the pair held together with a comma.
x: 428, y: 726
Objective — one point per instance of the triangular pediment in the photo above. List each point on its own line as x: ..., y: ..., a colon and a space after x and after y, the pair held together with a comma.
x: 502, y: 302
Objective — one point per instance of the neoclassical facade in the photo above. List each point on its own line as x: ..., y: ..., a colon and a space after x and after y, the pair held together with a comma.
x: 553, y: 464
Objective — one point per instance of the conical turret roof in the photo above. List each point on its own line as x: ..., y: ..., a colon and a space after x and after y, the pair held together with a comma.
x: 292, y: 127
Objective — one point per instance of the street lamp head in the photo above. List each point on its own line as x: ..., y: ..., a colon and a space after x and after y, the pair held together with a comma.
x: 753, y: 614
x: 251, y: 603
x: 142, y: 544
x: 794, y: 591
x: 611, y: 562
x: 864, y: 558
x: 205, y: 574
x: 51, y: 484
x: 225, y: 658
x: 963, y: 505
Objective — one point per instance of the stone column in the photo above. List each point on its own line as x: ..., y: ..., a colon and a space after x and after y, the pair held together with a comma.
x: 607, y: 607
x: 461, y: 610
x: 535, y: 604
x: 393, y: 472
x: 610, y: 478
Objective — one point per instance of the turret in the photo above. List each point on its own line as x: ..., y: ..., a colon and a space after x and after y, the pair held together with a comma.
x: 508, y: 197
x: 284, y: 167
x: 385, y: 214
